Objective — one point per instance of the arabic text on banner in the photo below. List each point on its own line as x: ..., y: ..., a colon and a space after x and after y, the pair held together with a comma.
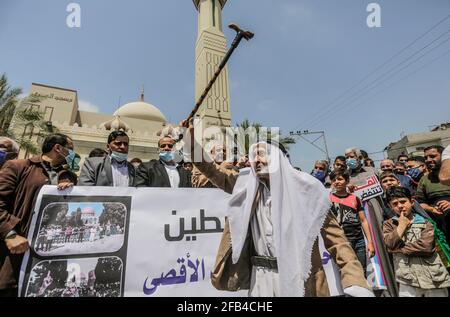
x: 105, y: 241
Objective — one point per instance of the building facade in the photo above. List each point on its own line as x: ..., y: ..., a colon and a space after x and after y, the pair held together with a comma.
x: 414, y: 144
x: 141, y: 120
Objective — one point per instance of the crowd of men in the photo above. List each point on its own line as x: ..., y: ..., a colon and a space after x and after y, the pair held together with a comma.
x: 415, y: 203
x: 54, y: 236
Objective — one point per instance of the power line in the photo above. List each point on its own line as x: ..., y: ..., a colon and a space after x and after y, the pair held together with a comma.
x: 376, y: 69
x: 369, y: 87
x: 394, y: 83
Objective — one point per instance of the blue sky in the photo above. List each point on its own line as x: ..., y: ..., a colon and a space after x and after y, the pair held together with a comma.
x: 304, y: 55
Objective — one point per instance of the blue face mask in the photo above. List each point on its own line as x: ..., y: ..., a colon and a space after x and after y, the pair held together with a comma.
x: 320, y: 175
x: 3, y: 156
x: 166, y: 156
x: 70, y: 157
x: 352, y: 163
x: 119, y: 157
x: 415, y: 173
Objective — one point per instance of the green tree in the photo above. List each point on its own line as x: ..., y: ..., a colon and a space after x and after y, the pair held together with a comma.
x: 286, y: 141
x: 9, y: 98
x: 19, y: 116
x: 114, y: 213
x: 32, y: 123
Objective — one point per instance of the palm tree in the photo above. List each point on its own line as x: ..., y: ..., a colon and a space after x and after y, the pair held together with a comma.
x: 8, y: 104
x: 19, y: 116
x: 31, y: 122
x: 285, y: 141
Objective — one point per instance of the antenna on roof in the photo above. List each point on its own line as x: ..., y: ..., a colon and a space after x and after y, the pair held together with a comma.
x: 118, y: 104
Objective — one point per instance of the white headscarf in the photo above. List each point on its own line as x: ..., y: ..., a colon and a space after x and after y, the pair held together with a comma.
x: 300, y: 204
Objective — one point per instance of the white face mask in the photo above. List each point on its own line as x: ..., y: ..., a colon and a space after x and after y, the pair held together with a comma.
x: 119, y: 157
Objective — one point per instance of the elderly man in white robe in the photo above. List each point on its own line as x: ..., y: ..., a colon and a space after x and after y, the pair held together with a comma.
x: 277, y: 218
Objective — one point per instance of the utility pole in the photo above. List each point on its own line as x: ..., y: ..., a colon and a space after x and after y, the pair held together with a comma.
x: 313, y: 143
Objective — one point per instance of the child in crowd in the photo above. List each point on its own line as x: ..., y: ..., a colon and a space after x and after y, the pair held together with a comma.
x: 410, y: 238
x: 349, y: 212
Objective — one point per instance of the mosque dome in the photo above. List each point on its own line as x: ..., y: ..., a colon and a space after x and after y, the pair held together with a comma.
x: 141, y: 110
x: 88, y: 211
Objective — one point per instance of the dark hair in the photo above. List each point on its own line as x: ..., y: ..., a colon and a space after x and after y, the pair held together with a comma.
x: 420, y: 159
x: 397, y: 192
x: 388, y: 174
x: 115, y: 134
x: 53, y: 139
x: 401, y: 155
x: 369, y: 162
x: 136, y: 160
x: 340, y: 172
x: 439, y: 148
x: 340, y: 158
x: 364, y: 154
x: 166, y: 137
x: 97, y: 153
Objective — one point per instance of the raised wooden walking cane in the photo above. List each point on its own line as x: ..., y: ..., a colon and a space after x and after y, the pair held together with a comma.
x: 239, y: 36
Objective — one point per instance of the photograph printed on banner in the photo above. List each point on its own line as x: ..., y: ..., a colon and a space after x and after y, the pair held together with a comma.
x: 88, y: 277
x: 81, y: 227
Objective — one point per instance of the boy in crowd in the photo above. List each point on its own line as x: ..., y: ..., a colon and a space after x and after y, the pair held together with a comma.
x: 350, y: 215
x: 339, y: 163
x: 410, y: 238
x: 388, y: 180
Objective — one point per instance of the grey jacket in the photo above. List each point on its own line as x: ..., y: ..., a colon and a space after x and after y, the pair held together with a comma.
x: 416, y: 261
x: 97, y: 171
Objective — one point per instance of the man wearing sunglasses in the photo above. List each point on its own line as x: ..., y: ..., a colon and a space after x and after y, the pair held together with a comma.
x: 112, y: 170
x: 165, y: 172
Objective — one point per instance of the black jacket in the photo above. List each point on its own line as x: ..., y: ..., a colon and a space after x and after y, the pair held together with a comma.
x: 154, y: 174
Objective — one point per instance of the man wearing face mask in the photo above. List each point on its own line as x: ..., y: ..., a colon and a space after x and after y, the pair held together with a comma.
x: 164, y: 172
x: 399, y: 170
x: 416, y: 169
x: 433, y: 196
x: 358, y: 172
x: 320, y: 172
x: 112, y: 170
x: 20, y: 182
x: 9, y: 150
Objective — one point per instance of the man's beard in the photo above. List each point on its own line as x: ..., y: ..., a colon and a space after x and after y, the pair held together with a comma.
x: 435, y: 167
x: 263, y: 173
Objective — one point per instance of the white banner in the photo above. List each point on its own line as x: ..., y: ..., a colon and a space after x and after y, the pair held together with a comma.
x: 105, y: 241
x: 370, y: 189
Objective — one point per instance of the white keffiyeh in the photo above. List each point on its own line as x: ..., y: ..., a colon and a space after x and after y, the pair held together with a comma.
x: 300, y: 204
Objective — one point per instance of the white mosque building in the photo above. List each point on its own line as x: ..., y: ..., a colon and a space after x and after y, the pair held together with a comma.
x: 141, y: 120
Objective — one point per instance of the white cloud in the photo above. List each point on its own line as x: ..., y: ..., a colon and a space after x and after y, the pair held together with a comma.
x: 84, y: 105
